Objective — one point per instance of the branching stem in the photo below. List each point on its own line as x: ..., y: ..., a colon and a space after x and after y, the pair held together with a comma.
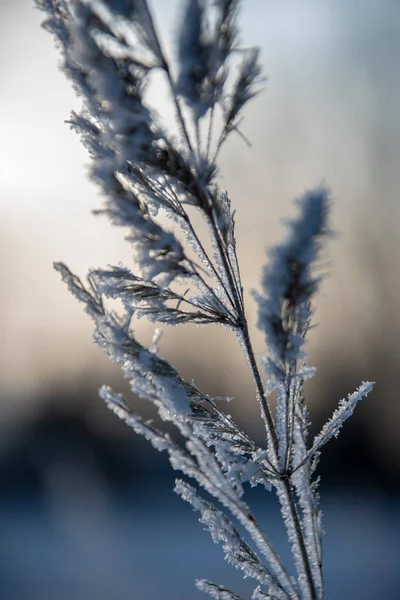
x: 285, y: 476
x: 270, y: 427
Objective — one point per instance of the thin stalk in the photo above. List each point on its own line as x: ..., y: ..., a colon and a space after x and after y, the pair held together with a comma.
x: 269, y: 422
x: 271, y: 431
x: 290, y: 392
x: 265, y: 408
x: 241, y: 512
x: 262, y: 543
x: 232, y: 283
x: 210, y: 127
x: 306, y: 459
x: 243, y: 435
x: 179, y: 113
x: 183, y: 214
x: 266, y: 411
x: 286, y: 480
x: 270, y: 426
x: 300, y: 539
x: 198, y: 140
x: 209, y: 261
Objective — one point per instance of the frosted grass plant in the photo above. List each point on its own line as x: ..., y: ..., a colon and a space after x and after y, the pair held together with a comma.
x: 110, y: 51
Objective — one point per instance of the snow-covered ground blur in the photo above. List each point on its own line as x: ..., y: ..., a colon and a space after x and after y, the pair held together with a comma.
x: 155, y: 548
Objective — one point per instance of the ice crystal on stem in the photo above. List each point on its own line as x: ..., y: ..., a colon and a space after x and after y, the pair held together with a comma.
x: 110, y: 50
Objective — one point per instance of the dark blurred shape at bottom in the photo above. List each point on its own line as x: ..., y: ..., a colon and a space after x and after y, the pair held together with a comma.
x: 86, y: 516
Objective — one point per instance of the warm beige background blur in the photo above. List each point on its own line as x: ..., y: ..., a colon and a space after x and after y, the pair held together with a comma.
x: 330, y: 112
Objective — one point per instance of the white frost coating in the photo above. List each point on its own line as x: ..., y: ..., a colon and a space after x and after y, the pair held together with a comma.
x: 308, y: 501
x: 212, y: 479
x: 203, y: 53
x: 244, y: 88
x: 154, y: 348
x: 151, y: 377
x: 116, y: 403
x: 287, y: 516
x: 288, y: 283
x: 110, y: 50
x: 237, y: 552
x: 259, y: 595
x: 341, y: 414
x: 179, y: 458
x: 216, y: 591
x: 239, y: 457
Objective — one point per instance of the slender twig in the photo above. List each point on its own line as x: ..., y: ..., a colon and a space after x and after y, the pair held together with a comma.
x: 274, y: 472
x: 286, y: 481
x: 240, y: 511
x: 271, y: 431
x: 179, y: 112
x: 184, y: 215
x: 210, y: 263
x: 210, y: 126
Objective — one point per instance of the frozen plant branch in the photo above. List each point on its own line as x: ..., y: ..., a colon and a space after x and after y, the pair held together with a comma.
x: 110, y: 51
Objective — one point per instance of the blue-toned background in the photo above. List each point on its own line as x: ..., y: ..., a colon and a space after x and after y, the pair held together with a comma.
x: 87, y: 509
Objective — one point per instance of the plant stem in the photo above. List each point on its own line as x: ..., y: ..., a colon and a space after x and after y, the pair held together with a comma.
x: 265, y: 408
x: 269, y: 422
x: 266, y: 411
x: 288, y: 489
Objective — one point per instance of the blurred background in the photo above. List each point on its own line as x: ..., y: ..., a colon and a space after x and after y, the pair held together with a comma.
x: 87, y: 508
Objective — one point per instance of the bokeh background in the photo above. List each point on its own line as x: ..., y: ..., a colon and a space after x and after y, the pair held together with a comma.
x: 86, y: 508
